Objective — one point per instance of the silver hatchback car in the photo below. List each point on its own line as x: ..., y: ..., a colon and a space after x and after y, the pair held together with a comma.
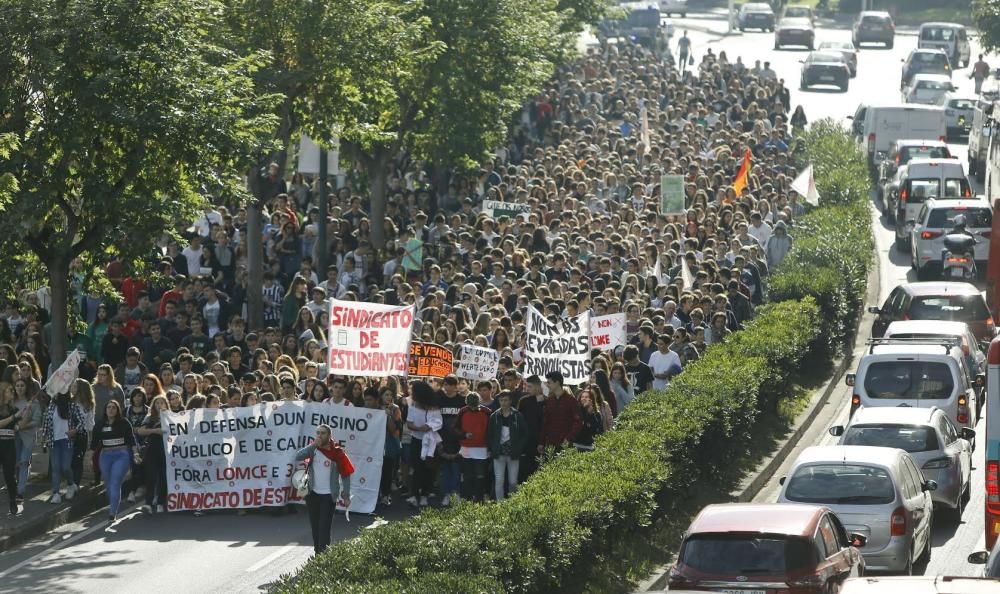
x: 876, y: 492
x: 942, y: 452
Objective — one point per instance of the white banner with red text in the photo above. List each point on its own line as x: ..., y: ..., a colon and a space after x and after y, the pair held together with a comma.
x: 244, y: 457
x: 369, y: 339
x: 607, y: 332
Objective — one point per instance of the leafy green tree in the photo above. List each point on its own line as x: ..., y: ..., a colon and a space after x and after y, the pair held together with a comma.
x: 121, y: 112
x: 986, y: 15
x: 578, y: 14
x: 314, y: 53
x: 448, y: 97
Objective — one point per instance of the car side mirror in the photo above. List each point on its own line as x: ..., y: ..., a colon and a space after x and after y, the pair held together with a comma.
x: 968, y: 433
x: 858, y: 540
x: 930, y: 486
x: 850, y: 117
x: 874, y: 309
x: 979, y: 557
x: 836, y: 430
x: 850, y: 378
x: 781, y: 481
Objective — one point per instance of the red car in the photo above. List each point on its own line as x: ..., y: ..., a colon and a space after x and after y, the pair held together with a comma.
x: 744, y: 548
x: 949, y: 301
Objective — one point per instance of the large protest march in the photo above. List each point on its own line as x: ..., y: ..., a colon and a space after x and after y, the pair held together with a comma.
x: 627, y: 225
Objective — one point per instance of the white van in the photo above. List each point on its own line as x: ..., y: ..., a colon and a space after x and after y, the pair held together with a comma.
x: 886, y: 123
x: 920, y: 372
x: 924, y: 179
x: 950, y: 37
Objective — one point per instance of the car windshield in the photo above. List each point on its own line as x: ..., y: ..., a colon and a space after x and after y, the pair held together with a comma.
x: 908, y: 380
x: 963, y: 104
x: 952, y: 308
x: 929, y: 59
x: 922, y: 189
x: 974, y: 217
x: 936, y: 85
x: 937, y: 34
x: 843, y: 484
x: 797, y: 11
x: 739, y: 554
x: 873, y: 19
x: 910, y: 438
x: 923, y: 152
x: 826, y: 57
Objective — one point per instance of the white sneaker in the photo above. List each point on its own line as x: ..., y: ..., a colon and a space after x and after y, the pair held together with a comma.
x: 413, y: 500
x: 423, y: 502
x: 146, y: 509
x: 70, y: 492
x: 160, y: 509
x: 130, y: 498
x: 55, y: 499
x: 446, y: 501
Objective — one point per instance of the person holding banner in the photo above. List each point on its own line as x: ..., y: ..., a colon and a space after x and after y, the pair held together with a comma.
x: 114, y: 438
x: 329, y: 471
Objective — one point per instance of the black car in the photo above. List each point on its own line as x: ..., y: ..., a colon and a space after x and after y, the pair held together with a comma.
x: 924, y: 61
x: 825, y: 68
x: 873, y: 27
x: 794, y: 31
x: 756, y: 15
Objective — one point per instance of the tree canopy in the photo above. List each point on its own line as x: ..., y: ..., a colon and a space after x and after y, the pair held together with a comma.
x: 986, y: 15
x: 121, y: 114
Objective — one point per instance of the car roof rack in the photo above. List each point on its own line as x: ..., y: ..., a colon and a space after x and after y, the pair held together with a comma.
x: 948, y: 342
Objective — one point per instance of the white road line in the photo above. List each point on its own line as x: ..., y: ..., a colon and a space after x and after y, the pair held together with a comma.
x: 101, y: 525
x: 265, y: 560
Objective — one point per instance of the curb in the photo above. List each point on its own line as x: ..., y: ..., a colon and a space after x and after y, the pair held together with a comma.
x: 86, y: 502
x: 658, y: 579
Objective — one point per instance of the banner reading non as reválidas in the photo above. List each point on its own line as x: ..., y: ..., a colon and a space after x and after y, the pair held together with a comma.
x: 369, y: 339
x: 244, y: 457
x: 561, y: 346
x: 429, y: 360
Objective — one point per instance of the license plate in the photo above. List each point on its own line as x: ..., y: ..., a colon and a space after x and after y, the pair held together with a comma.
x: 876, y: 28
x: 957, y: 272
x: 826, y: 77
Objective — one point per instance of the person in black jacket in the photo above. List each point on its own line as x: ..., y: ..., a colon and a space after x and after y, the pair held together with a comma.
x: 114, y: 438
x: 506, y: 435
x: 532, y: 407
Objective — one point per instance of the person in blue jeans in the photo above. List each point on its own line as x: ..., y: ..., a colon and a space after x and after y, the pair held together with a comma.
x: 63, y: 421
x: 114, y: 438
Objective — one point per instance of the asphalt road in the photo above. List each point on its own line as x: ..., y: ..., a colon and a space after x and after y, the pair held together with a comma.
x: 228, y: 553
x: 877, y: 81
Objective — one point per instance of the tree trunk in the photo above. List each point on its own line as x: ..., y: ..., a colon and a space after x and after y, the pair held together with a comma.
x: 255, y: 267
x: 59, y: 287
x: 379, y: 185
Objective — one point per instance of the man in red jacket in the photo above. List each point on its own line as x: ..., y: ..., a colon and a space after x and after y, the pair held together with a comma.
x: 561, y: 419
x: 471, y: 425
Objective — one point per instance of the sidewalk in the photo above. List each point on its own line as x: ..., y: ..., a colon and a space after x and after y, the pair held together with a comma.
x: 37, y: 516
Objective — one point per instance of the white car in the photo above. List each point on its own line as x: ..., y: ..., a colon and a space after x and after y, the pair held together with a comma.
x: 960, y: 112
x: 936, y: 219
x: 927, y: 89
x: 942, y: 452
x: 669, y: 7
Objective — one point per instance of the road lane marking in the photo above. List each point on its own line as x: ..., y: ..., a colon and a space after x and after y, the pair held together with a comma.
x: 260, y: 564
x: 101, y: 525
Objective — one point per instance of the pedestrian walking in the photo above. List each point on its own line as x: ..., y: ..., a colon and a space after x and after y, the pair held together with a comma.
x: 10, y: 416
x: 329, y: 470
x: 980, y: 72
x: 114, y: 438
x: 63, y: 422
x: 506, y: 436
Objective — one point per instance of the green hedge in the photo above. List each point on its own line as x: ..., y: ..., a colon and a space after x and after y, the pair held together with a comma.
x: 576, y: 520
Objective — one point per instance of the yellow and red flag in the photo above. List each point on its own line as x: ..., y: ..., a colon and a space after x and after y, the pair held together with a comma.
x: 743, y: 175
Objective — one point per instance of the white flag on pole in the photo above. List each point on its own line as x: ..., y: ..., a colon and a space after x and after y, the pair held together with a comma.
x: 64, y: 377
x: 644, y: 124
x: 805, y: 185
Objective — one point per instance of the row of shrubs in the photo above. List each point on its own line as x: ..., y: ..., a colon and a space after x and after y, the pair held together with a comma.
x: 577, y: 517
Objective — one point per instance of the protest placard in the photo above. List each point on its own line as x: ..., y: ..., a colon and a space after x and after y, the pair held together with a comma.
x: 430, y: 360
x: 369, y: 339
x: 607, y: 332
x: 562, y: 346
x: 671, y: 194
x: 477, y: 363
x: 245, y: 456
x: 496, y: 209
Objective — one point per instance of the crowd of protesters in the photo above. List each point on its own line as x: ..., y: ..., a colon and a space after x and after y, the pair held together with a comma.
x: 586, y: 154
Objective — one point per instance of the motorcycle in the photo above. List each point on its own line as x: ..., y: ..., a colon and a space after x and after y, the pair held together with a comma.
x: 958, y: 258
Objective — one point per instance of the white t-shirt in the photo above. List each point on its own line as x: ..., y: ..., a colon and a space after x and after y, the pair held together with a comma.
x: 321, y: 473
x: 60, y: 427
x: 193, y: 259
x: 662, y: 363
